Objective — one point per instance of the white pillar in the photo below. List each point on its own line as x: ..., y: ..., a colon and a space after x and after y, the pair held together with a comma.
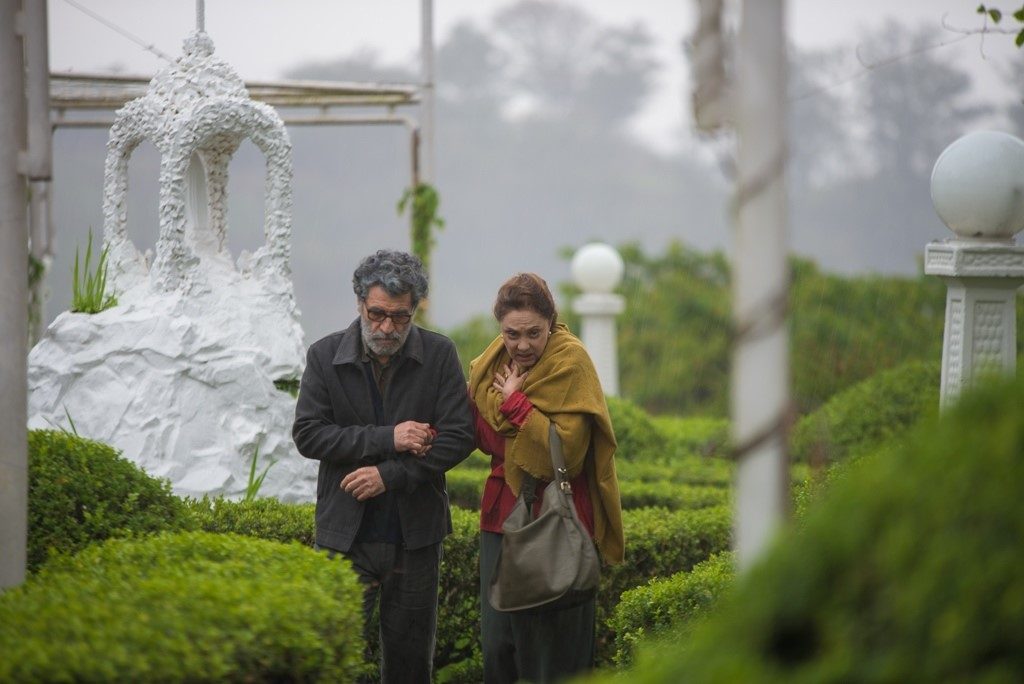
x: 597, y: 269
x: 13, y: 301
x: 978, y: 191
x: 427, y: 90
x: 760, y: 396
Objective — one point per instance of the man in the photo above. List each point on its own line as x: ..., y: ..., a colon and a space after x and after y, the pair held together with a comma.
x: 383, y: 407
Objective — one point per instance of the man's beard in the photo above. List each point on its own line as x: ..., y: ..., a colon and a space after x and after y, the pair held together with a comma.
x: 381, y: 343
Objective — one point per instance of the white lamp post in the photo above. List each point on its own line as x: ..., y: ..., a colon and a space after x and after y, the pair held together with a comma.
x: 597, y: 269
x: 978, y: 192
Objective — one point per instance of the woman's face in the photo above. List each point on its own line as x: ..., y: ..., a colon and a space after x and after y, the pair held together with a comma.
x: 525, y: 334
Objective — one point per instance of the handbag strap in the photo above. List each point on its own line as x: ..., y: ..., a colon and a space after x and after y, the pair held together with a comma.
x: 558, y: 461
x: 528, y: 490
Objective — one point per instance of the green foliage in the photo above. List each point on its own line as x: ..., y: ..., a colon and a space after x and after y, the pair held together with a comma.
x: 80, y: 491
x: 908, y: 570
x: 289, y: 385
x: 671, y: 496
x: 684, y: 469
x: 659, y: 543
x: 675, y: 334
x: 424, y: 202
x: 265, y: 518
x: 193, y: 607
x: 457, y: 655
x: 89, y: 288
x: 702, y: 435
x: 869, y: 413
x: 252, y: 487
x: 839, y: 338
x: 472, y: 338
x: 637, y: 437
x: 996, y: 15
x: 671, y: 602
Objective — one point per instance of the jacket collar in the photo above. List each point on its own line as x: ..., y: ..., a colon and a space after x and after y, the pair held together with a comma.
x: 351, y: 348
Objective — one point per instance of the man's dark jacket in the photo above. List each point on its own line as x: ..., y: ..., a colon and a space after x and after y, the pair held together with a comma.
x: 334, y: 423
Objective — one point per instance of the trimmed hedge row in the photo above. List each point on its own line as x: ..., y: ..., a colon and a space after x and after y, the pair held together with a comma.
x: 659, y: 542
x: 672, y: 602
x: 869, y: 413
x: 465, y: 487
x: 188, y: 607
x: 907, y: 570
x: 81, y: 491
x: 263, y: 518
x: 694, y: 435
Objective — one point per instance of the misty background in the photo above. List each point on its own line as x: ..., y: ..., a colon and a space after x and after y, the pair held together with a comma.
x: 535, y: 157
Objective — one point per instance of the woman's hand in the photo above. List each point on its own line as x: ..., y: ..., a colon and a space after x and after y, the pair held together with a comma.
x: 509, y: 380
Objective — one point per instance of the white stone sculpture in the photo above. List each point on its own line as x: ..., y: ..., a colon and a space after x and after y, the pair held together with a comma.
x: 180, y: 375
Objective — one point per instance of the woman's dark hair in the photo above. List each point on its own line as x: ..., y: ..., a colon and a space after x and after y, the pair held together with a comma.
x: 525, y: 291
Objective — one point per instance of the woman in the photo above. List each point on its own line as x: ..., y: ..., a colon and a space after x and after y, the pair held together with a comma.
x: 534, y: 373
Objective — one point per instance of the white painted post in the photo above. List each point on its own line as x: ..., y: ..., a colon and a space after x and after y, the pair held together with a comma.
x: 13, y: 300
x: 597, y: 269
x: 978, y: 191
x: 427, y: 90
x: 760, y: 274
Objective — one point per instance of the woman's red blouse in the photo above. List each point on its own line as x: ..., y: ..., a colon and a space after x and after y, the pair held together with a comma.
x: 498, y: 499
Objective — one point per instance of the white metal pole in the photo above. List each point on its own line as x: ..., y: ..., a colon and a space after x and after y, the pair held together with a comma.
x: 13, y: 301
x: 40, y: 154
x: 760, y: 372
x: 427, y: 91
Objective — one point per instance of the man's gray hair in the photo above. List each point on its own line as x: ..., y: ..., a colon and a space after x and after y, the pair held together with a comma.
x: 397, y: 272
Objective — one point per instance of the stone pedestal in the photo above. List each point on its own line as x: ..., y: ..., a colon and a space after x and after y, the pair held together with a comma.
x: 980, y: 334
x: 597, y: 312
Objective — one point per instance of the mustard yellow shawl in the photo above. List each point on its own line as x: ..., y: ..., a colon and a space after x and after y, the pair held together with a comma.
x: 563, y: 388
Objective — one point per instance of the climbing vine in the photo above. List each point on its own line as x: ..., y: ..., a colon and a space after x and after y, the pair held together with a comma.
x: 424, y: 202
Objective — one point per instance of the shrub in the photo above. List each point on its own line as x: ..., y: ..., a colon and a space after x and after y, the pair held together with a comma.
x: 868, y: 414
x: 457, y: 655
x: 676, y: 601
x: 659, y: 543
x: 671, y: 496
x: 635, y: 433
x: 466, y: 486
x: 192, y: 607
x: 263, y: 518
x: 701, y: 435
x: 907, y: 571
x: 691, y: 470
x: 81, y: 491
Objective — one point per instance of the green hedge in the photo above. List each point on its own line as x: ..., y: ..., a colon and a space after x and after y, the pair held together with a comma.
x: 659, y: 543
x: 635, y: 433
x: 908, y: 570
x: 671, y: 496
x: 81, y: 491
x: 691, y: 470
x: 192, y: 607
x: 868, y: 413
x: 263, y: 518
x: 696, y: 435
x: 672, y: 602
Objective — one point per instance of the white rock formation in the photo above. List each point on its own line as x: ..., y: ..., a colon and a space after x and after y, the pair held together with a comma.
x: 180, y: 374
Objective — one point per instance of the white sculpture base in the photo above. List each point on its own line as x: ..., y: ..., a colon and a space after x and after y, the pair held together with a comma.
x: 980, y: 336
x: 183, y: 386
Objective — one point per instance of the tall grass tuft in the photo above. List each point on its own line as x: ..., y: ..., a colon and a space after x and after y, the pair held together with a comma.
x: 89, y: 287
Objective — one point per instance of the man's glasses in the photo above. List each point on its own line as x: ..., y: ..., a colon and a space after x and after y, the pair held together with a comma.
x: 397, y: 317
